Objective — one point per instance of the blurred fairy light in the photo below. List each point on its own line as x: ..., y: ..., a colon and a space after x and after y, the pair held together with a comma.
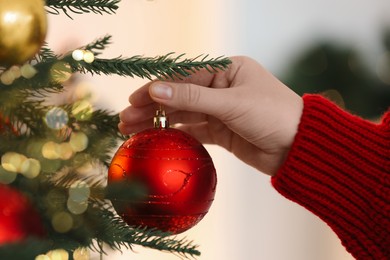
x: 50, y: 151
x: 57, y: 254
x: 78, y: 142
x: 62, y: 222
x: 81, y: 253
x: 82, y: 110
x: 65, y: 151
x: 82, y: 90
x: 78, y: 55
x: 61, y: 254
x: 85, y: 55
x: 55, y: 200
x: 60, y: 71
x: 89, y: 57
x: 30, y: 168
x: 42, y: 257
x: 9, y: 76
x: 383, y: 68
x: 28, y: 71
x: 56, y: 118
x: 75, y: 207
x: 7, y: 177
x: 79, y: 191
x: 12, y: 162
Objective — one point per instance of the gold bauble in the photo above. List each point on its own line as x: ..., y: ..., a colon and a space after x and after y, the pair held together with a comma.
x: 23, y: 27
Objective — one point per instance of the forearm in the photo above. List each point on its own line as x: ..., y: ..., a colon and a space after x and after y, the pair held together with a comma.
x: 338, y: 168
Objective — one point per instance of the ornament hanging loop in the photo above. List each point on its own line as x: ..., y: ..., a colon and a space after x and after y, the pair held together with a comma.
x: 160, y: 119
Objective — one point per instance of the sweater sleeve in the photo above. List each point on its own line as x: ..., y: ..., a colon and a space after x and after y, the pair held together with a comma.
x: 338, y: 168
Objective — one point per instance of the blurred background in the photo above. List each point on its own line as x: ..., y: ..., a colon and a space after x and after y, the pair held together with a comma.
x: 339, y: 48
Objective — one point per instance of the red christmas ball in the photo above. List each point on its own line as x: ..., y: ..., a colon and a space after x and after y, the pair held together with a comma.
x: 177, y: 172
x: 18, y: 219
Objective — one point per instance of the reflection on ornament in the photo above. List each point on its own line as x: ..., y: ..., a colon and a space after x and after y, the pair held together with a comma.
x: 23, y: 27
x: 176, y: 170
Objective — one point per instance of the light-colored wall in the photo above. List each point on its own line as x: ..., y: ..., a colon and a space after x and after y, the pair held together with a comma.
x: 249, y: 219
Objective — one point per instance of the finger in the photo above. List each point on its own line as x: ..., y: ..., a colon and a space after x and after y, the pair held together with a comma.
x: 134, y: 115
x: 141, y: 96
x: 126, y: 129
x: 198, y: 131
x: 202, y: 77
x: 195, y: 98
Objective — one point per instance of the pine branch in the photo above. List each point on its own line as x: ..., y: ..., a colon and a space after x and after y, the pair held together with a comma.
x: 28, y: 249
x: 45, y: 54
x: 162, y: 67
x: 99, y: 44
x: 82, y: 6
x: 116, y: 234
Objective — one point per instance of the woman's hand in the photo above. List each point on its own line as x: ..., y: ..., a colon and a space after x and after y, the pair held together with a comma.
x: 244, y: 109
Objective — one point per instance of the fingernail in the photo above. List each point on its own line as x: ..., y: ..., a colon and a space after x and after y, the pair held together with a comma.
x: 161, y: 91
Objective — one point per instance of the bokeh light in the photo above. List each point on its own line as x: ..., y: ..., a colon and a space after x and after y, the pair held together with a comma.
x: 60, y: 71
x: 56, y: 118
x: 28, y: 71
x: 82, y: 110
x: 62, y: 222
x: 12, y: 161
x: 79, y: 191
x: 78, y: 141
x: 89, y: 57
x: 81, y: 253
x: 78, y: 55
x: 50, y: 150
x: 30, y: 168
x: 383, y: 68
x: 7, y: 177
x: 75, y: 207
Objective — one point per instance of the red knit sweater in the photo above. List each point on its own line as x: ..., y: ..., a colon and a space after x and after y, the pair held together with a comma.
x: 339, y: 168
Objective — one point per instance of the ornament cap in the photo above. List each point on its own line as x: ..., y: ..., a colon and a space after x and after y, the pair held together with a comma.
x: 160, y: 119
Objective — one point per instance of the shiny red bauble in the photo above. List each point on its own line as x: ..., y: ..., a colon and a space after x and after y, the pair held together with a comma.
x: 177, y: 172
x: 18, y: 219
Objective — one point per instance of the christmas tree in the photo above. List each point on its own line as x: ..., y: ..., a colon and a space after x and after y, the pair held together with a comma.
x: 54, y: 197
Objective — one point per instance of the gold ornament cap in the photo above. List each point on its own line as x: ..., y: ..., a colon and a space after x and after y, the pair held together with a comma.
x: 160, y: 119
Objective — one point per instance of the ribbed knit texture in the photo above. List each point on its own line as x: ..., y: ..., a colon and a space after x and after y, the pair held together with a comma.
x: 339, y: 168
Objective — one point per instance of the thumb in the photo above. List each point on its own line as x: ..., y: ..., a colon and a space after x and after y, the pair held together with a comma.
x: 190, y: 97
